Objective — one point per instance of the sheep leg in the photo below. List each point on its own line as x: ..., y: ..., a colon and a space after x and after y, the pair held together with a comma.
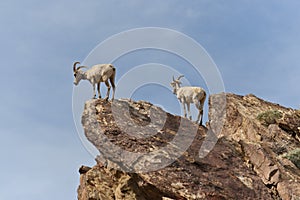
x: 112, y: 82
x: 198, y: 108
x: 198, y: 117
x: 201, y: 118
x: 183, y: 106
x: 189, y: 111
x: 108, y: 89
x: 94, y: 91
x: 200, y: 113
x: 98, y: 88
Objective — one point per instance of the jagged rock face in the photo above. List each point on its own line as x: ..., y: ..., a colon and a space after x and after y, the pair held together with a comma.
x: 266, y: 138
x: 142, y: 156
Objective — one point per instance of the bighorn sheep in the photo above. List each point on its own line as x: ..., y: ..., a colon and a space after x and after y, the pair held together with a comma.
x: 97, y: 74
x: 187, y: 95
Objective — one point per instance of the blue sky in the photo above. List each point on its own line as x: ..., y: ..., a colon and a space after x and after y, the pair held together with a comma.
x: 255, y: 45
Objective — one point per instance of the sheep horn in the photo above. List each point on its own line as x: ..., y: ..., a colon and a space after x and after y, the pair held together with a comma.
x: 173, y: 78
x: 180, y: 77
x: 74, y: 66
x: 81, y: 67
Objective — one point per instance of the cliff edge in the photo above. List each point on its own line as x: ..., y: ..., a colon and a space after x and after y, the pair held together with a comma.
x: 147, y: 153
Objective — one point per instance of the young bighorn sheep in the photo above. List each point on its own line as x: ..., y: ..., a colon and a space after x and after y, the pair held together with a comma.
x: 187, y: 95
x: 97, y: 74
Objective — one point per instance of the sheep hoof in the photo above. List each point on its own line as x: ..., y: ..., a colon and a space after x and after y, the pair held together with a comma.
x: 106, y: 98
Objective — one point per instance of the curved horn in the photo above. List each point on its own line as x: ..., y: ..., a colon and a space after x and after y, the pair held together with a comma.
x: 180, y: 77
x: 74, y: 66
x: 173, y: 78
x: 81, y: 67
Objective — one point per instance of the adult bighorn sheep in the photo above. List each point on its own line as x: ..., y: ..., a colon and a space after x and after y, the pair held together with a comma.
x: 187, y: 95
x: 95, y: 75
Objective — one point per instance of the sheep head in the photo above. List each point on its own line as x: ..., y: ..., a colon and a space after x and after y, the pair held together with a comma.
x: 78, y: 73
x: 175, y: 84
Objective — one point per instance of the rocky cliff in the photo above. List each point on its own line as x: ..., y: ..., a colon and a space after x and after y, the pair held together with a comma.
x: 146, y: 153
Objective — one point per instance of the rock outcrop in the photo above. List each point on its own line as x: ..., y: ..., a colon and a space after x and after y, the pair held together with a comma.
x: 146, y: 153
